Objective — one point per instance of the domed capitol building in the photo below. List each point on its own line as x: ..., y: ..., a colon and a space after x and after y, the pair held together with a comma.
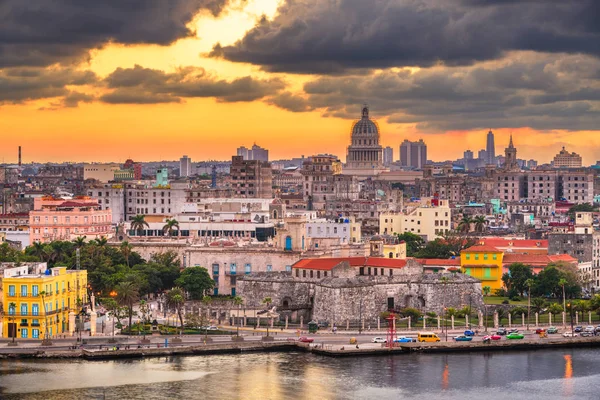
x: 365, y: 154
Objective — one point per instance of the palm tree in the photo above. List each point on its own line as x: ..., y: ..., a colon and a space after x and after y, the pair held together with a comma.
x: 176, y: 299
x: 43, y: 296
x: 486, y: 290
x: 126, y: 250
x: 138, y: 223
x: 538, y: 304
x: 79, y: 242
x: 529, y: 282
x: 170, y: 226
x: 464, y: 225
x: 238, y: 301
x: 127, y: 294
x: 480, y: 223
x: 562, y: 282
x: 37, y: 249
x: 101, y: 241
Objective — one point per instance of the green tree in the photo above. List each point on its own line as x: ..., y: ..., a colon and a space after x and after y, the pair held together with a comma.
x: 516, y: 312
x: 176, y: 300
x: 585, y: 207
x: 79, y: 242
x: 126, y: 249
x: 555, y: 309
x: 464, y: 225
x: 127, y: 295
x: 195, y: 281
x: 171, y: 226
x: 414, y: 243
x: 413, y: 313
x: 480, y: 223
x: 138, y: 223
x: 486, y: 290
x: 516, y: 278
x: 538, y: 304
x: 562, y: 282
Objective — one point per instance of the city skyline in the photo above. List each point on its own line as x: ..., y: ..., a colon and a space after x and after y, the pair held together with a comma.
x: 211, y: 75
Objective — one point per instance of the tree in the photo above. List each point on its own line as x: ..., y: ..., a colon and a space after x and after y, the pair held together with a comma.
x: 480, y: 223
x: 126, y: 249
x: 516, y: 278
x: 194, y: 320
x: 79, y: 242
x: 486, y: 290
x: 517, y: 312
x: 414, y: 243
x: 127, y: 295
x: 538, y: 304
x: 555, y: 309
x: 562, y: 282
x: 464, y: 225
x: 413, y: 313
x: 170, y: 226
x: 267, y: 301
x: 585, y: 207
x: 138, y: 223
x: 101, y: 241
x: 195, y: 281
x: 176, y: 300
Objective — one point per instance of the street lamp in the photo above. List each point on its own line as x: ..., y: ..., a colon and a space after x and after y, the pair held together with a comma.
x: 446, y: 323
x: 571, y: 314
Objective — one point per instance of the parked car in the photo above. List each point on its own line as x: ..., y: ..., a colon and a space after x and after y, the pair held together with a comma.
x: 305, y: 339
x: 587, y: 333
x: 597, y: 330
x: 513, y: 330
x: 212, y: 328
x: 569, y: 334
x: 539, y: 330
x: 578, y: 329
x: 469, y: 332
x: 515, y: 335
x: 379, y: 339
x: 501, y: 331
x: 552, y: 329
x: 463, y: 338
x: 404, y: 339
x: 489, y: 338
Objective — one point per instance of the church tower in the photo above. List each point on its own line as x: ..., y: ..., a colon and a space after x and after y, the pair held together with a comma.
x: 510, y: 157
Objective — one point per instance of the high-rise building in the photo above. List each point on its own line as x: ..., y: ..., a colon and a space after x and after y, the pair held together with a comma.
x: 413, y: 154
x: 468, y: 155
x: 482, y: 155
x: 251, y: 178
x: 185, y: 166
x: 255, y: 153
x: 388, y: 155
x: 564, y: 159
x: 490, y: 148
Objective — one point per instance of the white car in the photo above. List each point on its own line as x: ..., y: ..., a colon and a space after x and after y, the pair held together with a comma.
x: 569, y: 334
x: 379, y: 339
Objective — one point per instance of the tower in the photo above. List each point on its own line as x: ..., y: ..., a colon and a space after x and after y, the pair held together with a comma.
x: 365, y: 153
x: 490, y: 149
x: 19, y: 156
x: 510, y: 156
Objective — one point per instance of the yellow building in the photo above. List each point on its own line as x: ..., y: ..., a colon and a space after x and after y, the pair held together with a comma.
x: 38, y: 302
x: 484, y: 263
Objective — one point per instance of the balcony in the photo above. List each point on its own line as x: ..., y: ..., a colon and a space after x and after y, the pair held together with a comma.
x: 24, y: 324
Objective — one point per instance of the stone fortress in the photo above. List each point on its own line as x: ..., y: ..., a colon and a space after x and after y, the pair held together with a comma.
x: 338, y: 290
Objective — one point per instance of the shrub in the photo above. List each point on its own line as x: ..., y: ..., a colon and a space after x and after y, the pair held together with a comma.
x: 505, y: 302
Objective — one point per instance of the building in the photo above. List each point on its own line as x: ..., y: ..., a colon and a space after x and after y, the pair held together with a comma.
x: 510, y: 157
x: 14, y: 222
x: 185, y: 166
x: 251, y: 178
x: 484, y: 263
x: 364, y: 156
x: 490, y: 149
x: 318, y: 172
x: 135, y: 166
x: 40, y: 303
x: 255, y: 153
x: 100, y: 172
x: 467, y: 155
x: 427, y: 220
x: 564, y: 159
x: 59, y: 219
x: 413, y: 154
x: 388, y: 156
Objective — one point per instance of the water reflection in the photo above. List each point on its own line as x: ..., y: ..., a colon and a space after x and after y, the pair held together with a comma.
x: 525, y: 375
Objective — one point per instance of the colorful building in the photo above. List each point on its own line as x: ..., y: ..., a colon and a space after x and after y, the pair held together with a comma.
x: 40, y: 302
x: 484, y: 263
x: 59, y: 219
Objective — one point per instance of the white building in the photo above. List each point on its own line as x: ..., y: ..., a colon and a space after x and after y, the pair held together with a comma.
x: 426, y: 220
x: 185, y: 166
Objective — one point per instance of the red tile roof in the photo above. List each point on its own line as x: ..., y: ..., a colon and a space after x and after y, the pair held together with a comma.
x: 481, y: 249
x: 514, y: 243
x: 327, y: 264
x: 439, y: 261
x: 77, y: 204
x: 536, y: 260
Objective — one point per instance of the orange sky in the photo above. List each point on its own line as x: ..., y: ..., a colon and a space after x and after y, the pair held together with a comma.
x: 207, y: 129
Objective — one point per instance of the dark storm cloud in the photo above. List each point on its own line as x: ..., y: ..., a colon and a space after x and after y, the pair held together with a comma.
x: 144, y: 85
x: 330, y: 37
x: 44, y: 32
x: 527, y: 89
x: 18, y: 85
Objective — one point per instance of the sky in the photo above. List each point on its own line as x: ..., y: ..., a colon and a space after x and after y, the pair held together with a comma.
x: 154, y: 79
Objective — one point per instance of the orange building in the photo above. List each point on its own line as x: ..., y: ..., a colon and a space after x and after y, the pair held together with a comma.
x: 59, y: 219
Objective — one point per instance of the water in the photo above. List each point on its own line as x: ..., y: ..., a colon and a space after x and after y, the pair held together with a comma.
x: 547, y: 374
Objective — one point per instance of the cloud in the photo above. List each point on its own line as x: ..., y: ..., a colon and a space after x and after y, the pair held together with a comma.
x: 525, y: 89
x: 332, y: 37
x: 146, y: 86
x: 18, y: 85
x: 42, y: 32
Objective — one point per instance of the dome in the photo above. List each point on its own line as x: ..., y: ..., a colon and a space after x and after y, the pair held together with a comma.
x: 365, y: 126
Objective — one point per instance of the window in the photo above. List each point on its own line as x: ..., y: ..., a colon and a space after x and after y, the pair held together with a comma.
x: 11, y: 309
x: 24, y: 290
x: 35, y: 333
x: 24, y: 333
x: 487, y: 273
x: 494, y: 256
x: 11, y: 290
x: 485, y: 256
x: 288, y: 268
x: 232, y: 269
x: 304, y: 273
x: 467, y: 256
x: 23, y: 309
x: 297, y: 273
x: 35, y: 309
x: 269, y: 268
x: 215, y: 269
x: 247, y: 269
x: 477, y: 256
